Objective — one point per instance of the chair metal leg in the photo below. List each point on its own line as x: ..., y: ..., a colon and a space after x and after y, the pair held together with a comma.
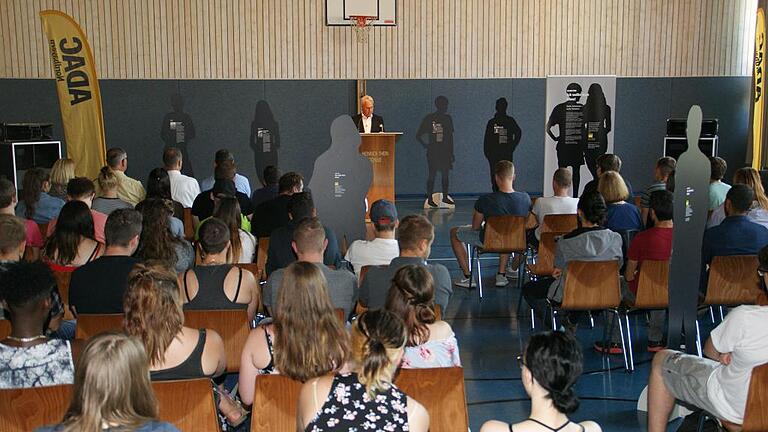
x: 479, y: 274
x: 621, y: 333
x: 470, y: 264
x: 698, y: 339
x: 629, y: 344
x: 721, y: 313
x: 533, y: 319
x: 553, y: 314
x: 591, y: 319
x: 521, y: 272
x: 712, y: 314
x: 607, y: 324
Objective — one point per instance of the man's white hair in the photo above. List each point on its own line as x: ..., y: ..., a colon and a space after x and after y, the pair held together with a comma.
x: 366, y: 98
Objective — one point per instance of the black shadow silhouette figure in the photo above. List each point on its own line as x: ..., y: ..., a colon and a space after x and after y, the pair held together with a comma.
x: 502, y: 135
x: 265, y: 138
x: 435, y: 133
x: 568, y: 116
x: 340, y: 182
x: 178, y: 130
x: 597, y: 126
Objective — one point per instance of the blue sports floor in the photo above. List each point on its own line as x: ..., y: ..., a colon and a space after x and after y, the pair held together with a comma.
x: 491, y: 336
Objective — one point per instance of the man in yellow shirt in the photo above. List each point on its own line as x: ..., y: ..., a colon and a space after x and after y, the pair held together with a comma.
x: 128, y: 189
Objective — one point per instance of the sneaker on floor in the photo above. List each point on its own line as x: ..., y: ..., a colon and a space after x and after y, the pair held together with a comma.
x: 464, y: 283
x: 654, y: 347
x: 613, y: 348
x: 501, y: 280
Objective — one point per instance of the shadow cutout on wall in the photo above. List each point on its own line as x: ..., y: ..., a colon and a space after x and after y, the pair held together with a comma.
x: 178, y: 130
x: 435, y: 133
x: 265, y: 138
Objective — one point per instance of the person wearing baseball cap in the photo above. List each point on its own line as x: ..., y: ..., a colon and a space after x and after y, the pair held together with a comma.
x: 382, y: 249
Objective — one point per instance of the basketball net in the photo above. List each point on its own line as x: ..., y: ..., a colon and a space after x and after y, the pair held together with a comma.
x: 362, y: 26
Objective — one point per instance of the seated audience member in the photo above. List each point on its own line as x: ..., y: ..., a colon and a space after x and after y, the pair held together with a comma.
x: 560, y: 203
x: 243, y: 244
x: 62, y: 171
x: 304, y: 341
x: 431, y: 343
x: 505, y: 202
x: 281, y: 252
x: 590, y: 242
x: 98, y: 399
x: 550, y: 366
x: 82, y: 189
x: 655, y: 244
x: 414, y: 236
x: 224, y: 185
x: 98, y: 287
x: 107, y: 201
x: 382, y: 249
x: 8, y: 200
x: 604, y: 163
x: 270, y: 187
x: 184, y: 189
x: 273, y: 214
x: 758, y: 211
x: 736, y: 235
x: 153, y: 314
x: 128, y: 189
x: 13, y: 238
x: 158, y: 242
x: 159, y: 187
x: 718, y: 382
x: 214, y: 284
x: 621, y: 215
x: 28, y: 358
x: 241, y: 182
x: 35, y: 202
x: 309, y: 242
x: 73, y: 242
x: 664, y: 179
x: 717, y: 188
x: 366, y: 398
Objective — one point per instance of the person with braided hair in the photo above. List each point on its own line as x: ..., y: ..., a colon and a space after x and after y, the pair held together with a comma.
x: 365, y: 398
x: 550, y: 366
x: 431, y: 342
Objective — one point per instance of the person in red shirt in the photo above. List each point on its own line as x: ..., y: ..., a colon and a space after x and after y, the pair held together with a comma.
x: 652, y: 244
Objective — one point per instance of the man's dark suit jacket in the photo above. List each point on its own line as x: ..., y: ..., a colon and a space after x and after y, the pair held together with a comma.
x: 376, y: 122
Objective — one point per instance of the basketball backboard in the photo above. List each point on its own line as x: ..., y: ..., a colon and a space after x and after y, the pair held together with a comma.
x: 337, y: 12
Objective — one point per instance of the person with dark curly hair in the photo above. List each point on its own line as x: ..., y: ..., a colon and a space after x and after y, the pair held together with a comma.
x: 550, y: 366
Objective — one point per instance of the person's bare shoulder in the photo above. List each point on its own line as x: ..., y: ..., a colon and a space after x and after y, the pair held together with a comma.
x: 590, y: 426
x: 440, y: 330
x: 494, y: 426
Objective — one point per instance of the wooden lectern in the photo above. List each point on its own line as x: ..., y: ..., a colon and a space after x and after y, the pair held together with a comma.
x: 379, y: 147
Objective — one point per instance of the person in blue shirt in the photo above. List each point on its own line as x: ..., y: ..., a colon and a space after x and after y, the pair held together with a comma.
x: 241, y: 182
x: 736, y: 235
x: 621, y: 215
x: 35, y: 202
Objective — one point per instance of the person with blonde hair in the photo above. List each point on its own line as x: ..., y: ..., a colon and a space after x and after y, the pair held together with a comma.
x: 758, y: 212
x: 304, y: 341
x: 431, y: 342
x: 366, y: 398
x: 153, y: 314
x: 108, y: 201
x: 62, y: 172
x: 621, y: 215
x: 100, y: 402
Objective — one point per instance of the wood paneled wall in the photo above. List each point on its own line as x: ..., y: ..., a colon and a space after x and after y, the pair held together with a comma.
x: 288, y: 39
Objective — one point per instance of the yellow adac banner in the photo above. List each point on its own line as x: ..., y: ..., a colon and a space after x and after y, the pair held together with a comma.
x: 78, y: 87
x: 759, y: 91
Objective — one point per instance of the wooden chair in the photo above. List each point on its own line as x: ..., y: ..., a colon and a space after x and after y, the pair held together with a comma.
x: 733, y: 281
x: 755, y: 414
x: 188, y: 404
x: 5, y: 328
x: 652, y: 293
x: 363, y: 272
x: 261, y: 257
x: 89, y: 325
x: 62, y: 282
x: 594, y: 285
x: 275, y: 400
x: 561, y: 223
x: 545, y: 259
x: 189, y: 225
x: 441, y: 391
x: 503, y: 235
x: 26, y: 409
x: 231, y: 325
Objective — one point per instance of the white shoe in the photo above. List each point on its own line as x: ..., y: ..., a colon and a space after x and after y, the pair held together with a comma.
x: 464, y: 283
x: 501, y: 280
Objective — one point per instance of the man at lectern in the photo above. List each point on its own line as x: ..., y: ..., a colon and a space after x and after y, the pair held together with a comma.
x: 367, y: 121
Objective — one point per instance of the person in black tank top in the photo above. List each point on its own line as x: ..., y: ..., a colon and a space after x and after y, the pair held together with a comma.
x: 550, y: 366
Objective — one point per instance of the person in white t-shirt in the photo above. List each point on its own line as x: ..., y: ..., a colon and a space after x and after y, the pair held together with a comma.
x: 560, y: 203
x: 382, y: 249
x: 184, y: 189
x: 718, y: 383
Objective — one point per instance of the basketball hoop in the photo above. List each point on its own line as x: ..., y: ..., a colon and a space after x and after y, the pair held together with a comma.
x: 361, y: 24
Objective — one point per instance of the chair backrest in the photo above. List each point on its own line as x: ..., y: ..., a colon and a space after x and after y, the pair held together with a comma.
x: 591, y: 285
x: 275, y: 400
x: 755, y: 413
x: 340, y: 315
x: 5, y: 328
x: 89, y: 325
x: 189, y: 225
x: 27, y: 409
x: 545, y: 260
x: 733, y: 281
x: 231, y: 325
x: 62, y: 282
x: 562, y: 223
x: 261, y: 256
x: 363, y: 271
x: 505, y: 234
x: 653, y: 285
x: 441, y: 391
x: 438, y: 312
x: 188, y: 404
